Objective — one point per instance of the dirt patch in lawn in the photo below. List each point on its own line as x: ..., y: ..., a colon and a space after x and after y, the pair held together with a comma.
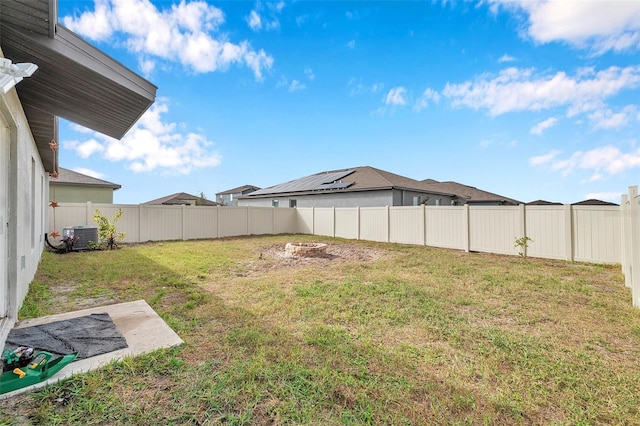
x: 274, y: 257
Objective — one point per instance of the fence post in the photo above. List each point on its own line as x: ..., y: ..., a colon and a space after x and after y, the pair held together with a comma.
x: 467, y: 228
x: 139, y: 223
x: 634, y: 221
x: 626, y: 240
x: 424, y: 225
x: 313, y: 221
x: 568, y: 232
x: 388, y: 225
x: 358, y: 221
x: 218, y: 221
x: 249, y: 220
x: 523, y: 224
x: 333, y: 211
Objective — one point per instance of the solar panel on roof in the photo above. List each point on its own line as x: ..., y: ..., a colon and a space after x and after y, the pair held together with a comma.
x: 334, y: 176
x: 338, y: 185
x: 308, y: 183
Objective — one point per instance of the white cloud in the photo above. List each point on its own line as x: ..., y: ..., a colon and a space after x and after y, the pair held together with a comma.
x: 254, y: 21
x: 186, y: 33
x: 599, y: 26
x: 309, y: 73
x: 87, y: 148
x: 543, y: 159
x: 429, y: 95
x: 89, y: 172
x: 265, y: 16
x: 607, y: 159
x: 396, y: 96
x: 351, y: 44
x: 296, y: 85
x: 506, y: 58
x: 147, y: 66
x: 358, y: 88
x: 543, y: 125
x: 606, y: 196
x: 515, y: 89
x: 153, y: 144
x: 607, y: 119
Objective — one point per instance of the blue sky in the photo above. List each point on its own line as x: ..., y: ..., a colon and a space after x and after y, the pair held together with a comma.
x: 530, y: 100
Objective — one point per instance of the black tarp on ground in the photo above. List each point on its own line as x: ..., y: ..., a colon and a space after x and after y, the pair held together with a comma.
x: 90, y: 335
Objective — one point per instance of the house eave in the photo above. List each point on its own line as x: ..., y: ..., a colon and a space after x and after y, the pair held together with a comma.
x: 74, y: 80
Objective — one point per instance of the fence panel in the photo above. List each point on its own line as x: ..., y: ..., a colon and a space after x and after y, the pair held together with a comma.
x: 232, y: 221
x: 446, y: 227
x: 67, y: 215
x: 546, y: 226
x: 494, y: 229
x: 406, y: 225
x: 285, y: 221
x: 129, y: 222
x: 347, y: 223
x: 304, y: 220
x: 200, y: 222
x: 160, y: 223
x: 597, y: 234
x: 374, y: 224
x: 323, y: 221
x: 260, y: 220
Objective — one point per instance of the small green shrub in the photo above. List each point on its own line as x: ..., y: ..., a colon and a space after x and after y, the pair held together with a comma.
x: 523, y: 243
x: 107, y: 230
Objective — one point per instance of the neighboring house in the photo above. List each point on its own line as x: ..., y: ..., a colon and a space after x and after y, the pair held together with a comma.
x: 181, y: 199
x: 469, y: 194
x: 594, y: 202
x: 75, y: 81
x: 74, y: 187
x: 543, y: 203
x: 230, y: 196
x: 358, y: 186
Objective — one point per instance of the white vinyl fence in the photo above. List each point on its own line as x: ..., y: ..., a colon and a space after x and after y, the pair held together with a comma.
x: 574, y: 233
x: 142, y: 223
x: 598, y: 234
x: 631, y: 242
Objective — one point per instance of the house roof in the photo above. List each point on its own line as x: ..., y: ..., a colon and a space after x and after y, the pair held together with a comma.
x: 179, y: 199
x: 74, y: 80
x: 239, y: 189
x: 354, y: 179
x: 543, y: 203
x: 69, y: 177
x: 470, y: 193
x: 594, y: 202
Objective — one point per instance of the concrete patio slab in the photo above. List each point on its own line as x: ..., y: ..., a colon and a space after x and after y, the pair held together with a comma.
x: 140, y: 325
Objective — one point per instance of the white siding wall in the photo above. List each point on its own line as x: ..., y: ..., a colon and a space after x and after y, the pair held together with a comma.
x: 24, y: 208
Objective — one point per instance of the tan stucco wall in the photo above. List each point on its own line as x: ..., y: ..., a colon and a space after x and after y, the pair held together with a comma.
x: 80, y: 194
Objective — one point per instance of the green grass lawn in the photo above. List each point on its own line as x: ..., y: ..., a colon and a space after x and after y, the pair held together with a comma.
x: 392, y: 334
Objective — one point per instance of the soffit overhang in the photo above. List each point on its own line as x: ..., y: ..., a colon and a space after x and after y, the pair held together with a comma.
x: 74, y: 80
